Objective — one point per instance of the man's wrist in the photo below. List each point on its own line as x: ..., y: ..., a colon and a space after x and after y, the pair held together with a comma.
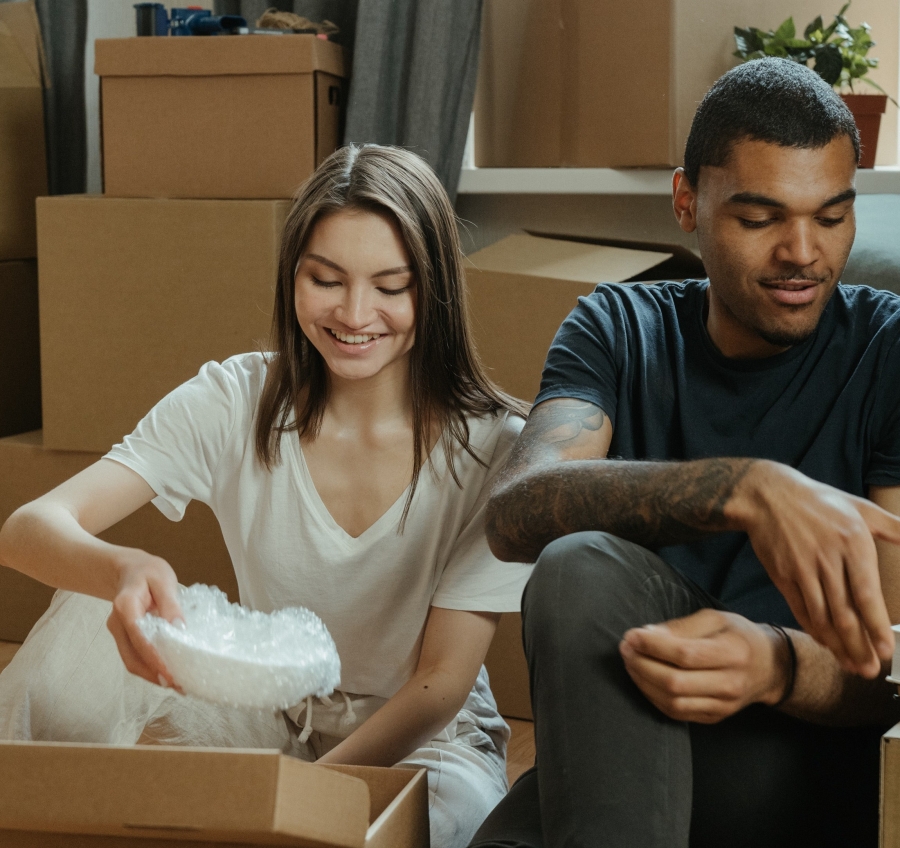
x: 784, y: 666
x: 742, y: 509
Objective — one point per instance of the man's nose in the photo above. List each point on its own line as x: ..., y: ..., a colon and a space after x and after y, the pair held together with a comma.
x: 798, y: 245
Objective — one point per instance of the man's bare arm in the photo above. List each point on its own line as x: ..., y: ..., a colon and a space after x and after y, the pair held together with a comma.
x: 815, y: 542
x: 556, y: 484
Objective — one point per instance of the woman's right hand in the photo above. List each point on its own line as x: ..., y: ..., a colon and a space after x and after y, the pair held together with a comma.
x: 147, y: 584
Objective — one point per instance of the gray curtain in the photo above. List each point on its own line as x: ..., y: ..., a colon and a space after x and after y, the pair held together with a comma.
x: 415, y: 64
x: 64, y: 26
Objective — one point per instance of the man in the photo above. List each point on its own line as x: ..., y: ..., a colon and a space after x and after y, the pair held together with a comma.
x: 708, y: 482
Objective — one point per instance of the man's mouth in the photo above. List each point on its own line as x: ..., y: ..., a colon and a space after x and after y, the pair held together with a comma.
x: 795, y: 291
x: 349, y: 338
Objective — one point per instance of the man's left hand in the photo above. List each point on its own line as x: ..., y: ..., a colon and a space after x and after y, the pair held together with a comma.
x: 707, y: 666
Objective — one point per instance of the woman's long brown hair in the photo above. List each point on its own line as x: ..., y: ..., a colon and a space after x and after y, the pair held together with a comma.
x: 447, y: 380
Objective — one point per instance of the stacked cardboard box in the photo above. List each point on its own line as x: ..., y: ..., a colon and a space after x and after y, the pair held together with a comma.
x: 23, y: 176
x: 205, y: 140
x: 138, y: 289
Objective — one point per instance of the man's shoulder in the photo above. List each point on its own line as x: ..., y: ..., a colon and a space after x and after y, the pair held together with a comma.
x: 868, y: 311
x: 654, y: 295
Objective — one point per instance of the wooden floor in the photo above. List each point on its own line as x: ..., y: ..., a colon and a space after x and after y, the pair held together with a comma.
x: 520, y: 752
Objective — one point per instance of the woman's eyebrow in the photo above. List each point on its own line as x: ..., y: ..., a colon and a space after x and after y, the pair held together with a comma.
x: 388, y: 272
x: 325, y: 261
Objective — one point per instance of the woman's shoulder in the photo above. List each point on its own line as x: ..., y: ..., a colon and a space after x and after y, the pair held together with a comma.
x: 492, y: 435
x: 240, y: 376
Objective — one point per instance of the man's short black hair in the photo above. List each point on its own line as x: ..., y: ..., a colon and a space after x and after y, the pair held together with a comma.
x: 774, y: 100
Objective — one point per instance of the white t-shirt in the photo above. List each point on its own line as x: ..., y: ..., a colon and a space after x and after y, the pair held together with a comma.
x: 373, y: 592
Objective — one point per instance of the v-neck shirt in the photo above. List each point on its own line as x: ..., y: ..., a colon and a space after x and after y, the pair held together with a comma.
x: 373, y: 591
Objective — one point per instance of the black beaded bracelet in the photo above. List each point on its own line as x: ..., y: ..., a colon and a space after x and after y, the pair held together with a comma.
x: 792, y: 654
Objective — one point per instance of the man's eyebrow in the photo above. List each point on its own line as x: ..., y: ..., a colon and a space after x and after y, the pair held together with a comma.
x: 388, y: 272
x: 849, y: 194
x: 749, y: 198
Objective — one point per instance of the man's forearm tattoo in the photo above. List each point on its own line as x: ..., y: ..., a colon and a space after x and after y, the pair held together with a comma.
x: 651, y: 503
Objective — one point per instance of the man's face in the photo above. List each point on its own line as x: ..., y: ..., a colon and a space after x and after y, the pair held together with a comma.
x: 775, y: 226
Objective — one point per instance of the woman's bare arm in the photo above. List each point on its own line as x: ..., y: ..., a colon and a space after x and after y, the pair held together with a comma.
x: 453, y: 649
x: 53, y: 539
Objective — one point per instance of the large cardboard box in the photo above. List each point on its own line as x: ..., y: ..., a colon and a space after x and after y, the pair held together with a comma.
x: 890, y: 789
x: 193, y: 546
x: 247, y: 117
x: 136, y: 295
x: 602, y: 83
x: 62, y: 796
x: 522, y: 287
x: 20, y: 364
x: 23, y: 161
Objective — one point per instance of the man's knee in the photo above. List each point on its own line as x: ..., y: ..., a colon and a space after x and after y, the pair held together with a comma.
x: 586, y: 573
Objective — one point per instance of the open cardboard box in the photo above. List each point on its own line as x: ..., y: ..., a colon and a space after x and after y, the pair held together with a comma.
x: 58, y: 795
x: 522, y: 287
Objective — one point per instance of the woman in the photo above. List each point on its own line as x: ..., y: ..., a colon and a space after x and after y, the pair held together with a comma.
x: 348, y: 470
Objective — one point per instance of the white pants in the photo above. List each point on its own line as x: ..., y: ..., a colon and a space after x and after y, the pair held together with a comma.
x: 67, y: 683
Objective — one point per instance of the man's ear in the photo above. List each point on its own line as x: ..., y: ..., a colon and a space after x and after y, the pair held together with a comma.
x: 684, y: 201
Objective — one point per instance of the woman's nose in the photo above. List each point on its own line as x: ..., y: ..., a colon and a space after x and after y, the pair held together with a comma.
x: 356, y: 308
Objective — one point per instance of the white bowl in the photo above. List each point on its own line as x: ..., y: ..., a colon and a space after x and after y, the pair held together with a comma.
x: 228, y: 654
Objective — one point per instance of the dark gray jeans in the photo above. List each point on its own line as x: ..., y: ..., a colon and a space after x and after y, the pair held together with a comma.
x: 614, y: 772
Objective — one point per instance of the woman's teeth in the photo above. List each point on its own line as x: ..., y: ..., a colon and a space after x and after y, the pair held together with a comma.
x: 346, y: 338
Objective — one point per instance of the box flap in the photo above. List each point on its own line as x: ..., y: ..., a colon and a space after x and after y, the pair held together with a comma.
x: 21, y: 21
x: 321, y: 805
x: 231, y: 55
x: 565, y: 260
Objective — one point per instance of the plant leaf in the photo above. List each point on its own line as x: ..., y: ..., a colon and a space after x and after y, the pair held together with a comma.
x: 811, y: 28
x: 786, y: 30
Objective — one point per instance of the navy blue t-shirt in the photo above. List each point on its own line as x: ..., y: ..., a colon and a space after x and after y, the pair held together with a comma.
x: 829, y: 407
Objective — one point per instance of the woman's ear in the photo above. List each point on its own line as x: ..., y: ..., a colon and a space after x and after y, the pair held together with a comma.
x: 684, y: 201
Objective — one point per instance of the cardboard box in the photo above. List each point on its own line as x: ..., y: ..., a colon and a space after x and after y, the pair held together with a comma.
x: 244, y: 117
x: 508, y: 669
x: 522, y: 287
x: 193, y: 546
x: 890, y: 789
x: 136, y: 295
x: 601, y: 83
x: 20, y: 351
x: 55, y: 794
x: 23, y: 161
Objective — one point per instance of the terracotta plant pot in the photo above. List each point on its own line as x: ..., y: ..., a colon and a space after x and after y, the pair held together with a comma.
x: 867, y: 110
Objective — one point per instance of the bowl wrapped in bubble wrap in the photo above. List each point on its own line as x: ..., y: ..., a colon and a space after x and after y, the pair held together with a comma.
x: 231, y: 655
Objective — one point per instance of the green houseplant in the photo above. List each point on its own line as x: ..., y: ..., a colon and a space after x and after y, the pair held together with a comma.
x: 838, y: 53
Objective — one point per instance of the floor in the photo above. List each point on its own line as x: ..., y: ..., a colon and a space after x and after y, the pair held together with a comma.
x: 520, y: 754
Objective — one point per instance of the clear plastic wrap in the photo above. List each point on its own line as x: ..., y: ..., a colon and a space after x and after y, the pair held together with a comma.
x: 228, y: 654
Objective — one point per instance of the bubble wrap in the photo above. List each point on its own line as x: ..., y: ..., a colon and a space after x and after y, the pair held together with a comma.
x: 228, y: 654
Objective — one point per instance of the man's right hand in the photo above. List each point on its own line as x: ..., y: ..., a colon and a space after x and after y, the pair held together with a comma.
x: 817, y: 545
x: 147, y: 584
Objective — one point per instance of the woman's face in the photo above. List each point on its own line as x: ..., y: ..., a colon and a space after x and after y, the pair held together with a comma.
x: 355, y: 295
